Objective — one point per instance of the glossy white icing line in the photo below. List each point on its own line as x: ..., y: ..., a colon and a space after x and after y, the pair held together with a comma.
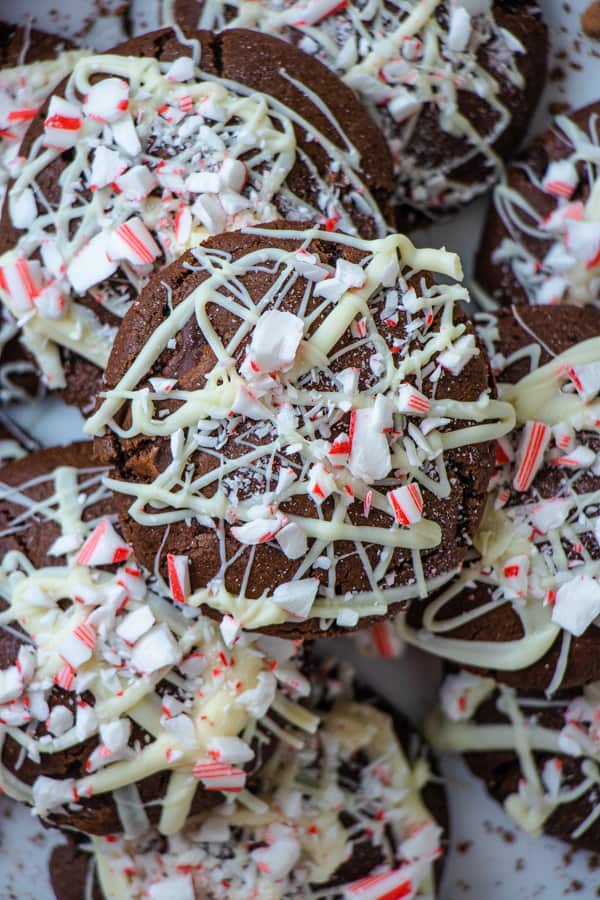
x: 566, y: 265
x: 538, y: 550
x: 114, y: 635
x: 543, y: 789
x: 406, y: 60
x: 163, y: 155
x: 299, y: 423
x: 293, y: 844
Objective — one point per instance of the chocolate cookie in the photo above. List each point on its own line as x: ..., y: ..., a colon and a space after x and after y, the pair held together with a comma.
x: 120, y: 709
x: 355, y: 801
x: 168, y: 152
x: 452, y: 86
x: 541, y: 240
x: 14, y: 442
x: 32, y: 63
x: 304, y: 420
x: 538, y: 758
x: 526, y: 610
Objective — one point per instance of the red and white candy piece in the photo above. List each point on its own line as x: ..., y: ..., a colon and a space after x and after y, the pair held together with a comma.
x: 50, y: 793
x: 78, y: 647
x: 580, y: 457
x: 181, y: 69
x: 136, y: 183
x: 114, y: 738
x: 23, y: 209
x: 558, y: 218
x: 577, y: 604
x: 275, y: 341
x: 107, y: 100
x: 50, y: 302
x: 369, y: 449
x: 229, y: 750
x: 107, y: 166
x: 552, y: 776
x: 259, y: 531
x: 560, y: 179
x: 313, y: 11
x: 551, y: 291
x: 230, y: 629
x: 178, y: 570
x: 183, y: 224
x: 387, y: 643
x: 582, y: 239
x: 321, y: 483
x: 135, y: 624
x: 310, y: 267
x: 246, y: 404
x: 456, y: 357
x: 532, y: 446
x: 91, y: 264
x: 515, y: 573
x: 407, y: 503
x: 22, y: 281
x: 411, y: 401
x: 586, y: 378
x: 391, y: 885
x: 549, y: 514
x: 339, y: 451
x: 217, y: 776
x: 103, y: 547
x: 504, y: 451
x: 132, y: 241
x: 15, y: 678
x: 297, y: 597
x: 277, y: 860
x: 63, y: 125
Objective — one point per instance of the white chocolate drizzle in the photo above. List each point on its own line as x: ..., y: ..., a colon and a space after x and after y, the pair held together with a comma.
x: 116, y: 635
x: 406, y: 60
x: 161, y: 156
x: 454, y: 728
x: 285, y: 424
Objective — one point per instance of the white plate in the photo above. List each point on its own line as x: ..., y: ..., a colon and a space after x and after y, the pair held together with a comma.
x: 488, y: 858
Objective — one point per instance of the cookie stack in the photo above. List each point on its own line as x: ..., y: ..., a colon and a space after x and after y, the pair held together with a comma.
x: 294, y: 431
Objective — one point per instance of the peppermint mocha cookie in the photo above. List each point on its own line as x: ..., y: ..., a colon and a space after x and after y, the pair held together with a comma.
x: 125, y: 172
x: 527, y: 610
x: 14, y: 442
x: 539, y: 758
x: 452, y: 85
x: 541, y: 241
x: 352, y: 813
x: 305, y: 421
x: 120, y: 707
x: 32, y: 63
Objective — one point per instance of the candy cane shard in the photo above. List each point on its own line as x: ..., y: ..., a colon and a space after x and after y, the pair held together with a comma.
x: 103, y: 547
x: 406, y: 503
x: 178, y: 570
x: 218, y: 776
x: 532, y: 446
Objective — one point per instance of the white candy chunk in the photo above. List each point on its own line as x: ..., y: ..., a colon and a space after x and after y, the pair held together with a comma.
x: 292, y: 541
x: 347, y: 618
x: 577, y: 604
x: 125, y: 135
x: 52, y: 258
x: 135, y: 624
x: 230, y: 628
x: 258, y: 531
x: 586, y: 378
x: 63, y: 125
x: 49, y: 793
x: 182, y: 729
x: 60, y: 720
x: 232, y: 175
x: 209, y: 211
x: 137, y: 183
x: 583, y: 241
x: 391, y: 271
x: 552, y: 776
x: 107, y: 166
x: 155, y: 650
x: 459, y: 30
x: 456, y: 357
x: 277, y: 860
x: 50, y: 302
x: 234, y: 203
x: 203, y: 183
x: 275, y: 341
x: 22, y: 280
x: 181, y: 69
x: 75, y: 651
x: 347, y: 276
x: 321, y: 483
x: 213, y: 829
x: 311, y: 11
x: 549, y: 514
x: 23, y: 209
x: 309, y: 266
x: 229, y: 750
x: 515, y: 574
x: 297, y: 597
x: 132, y: 241
x: 107, y: 100
x: 551, y: 291
x: 115, y: 735
x: 91, y: 264
x: 257, y: 700
x: 370, y: 453
x: 402, y: 106
x: 15, y: 679
x: 176, y: 887
x: 87, y: 721
x: 461, y: 694
x: 558, y: 260
x: 423, y: 843
x: 246, y: 404
x: 575, y: 741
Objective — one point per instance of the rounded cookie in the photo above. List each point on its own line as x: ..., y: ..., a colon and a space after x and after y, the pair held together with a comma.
x: 356, y: 800
x: 541, y: 240
x: 453, y: 86
x: 305, y: 420
x: 32, y: 63
x: 538, y: 758
x: 120, y: 708
x: 525, y: 611
x: 126, y: 171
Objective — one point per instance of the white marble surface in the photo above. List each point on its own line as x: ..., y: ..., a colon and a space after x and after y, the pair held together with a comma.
x: 488, y: 859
